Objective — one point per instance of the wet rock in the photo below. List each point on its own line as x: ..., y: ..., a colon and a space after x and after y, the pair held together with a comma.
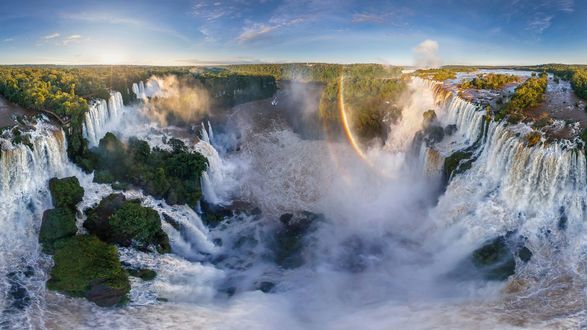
x: 213, y: 214
x: 18, y: 295
x: 127, y: 223
x: 265, y: 286
x: 56, y: 224
x: 105, y: 295
x: 144, y: 274
x: 288, y: 246
x: 450, y: 129
x: 495, y: 260
x: 524, y: 254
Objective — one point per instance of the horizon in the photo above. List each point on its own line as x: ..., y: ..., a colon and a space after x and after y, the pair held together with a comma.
x: 205, y: 33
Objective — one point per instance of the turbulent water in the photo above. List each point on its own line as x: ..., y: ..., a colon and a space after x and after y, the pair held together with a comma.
x: 384, y: 257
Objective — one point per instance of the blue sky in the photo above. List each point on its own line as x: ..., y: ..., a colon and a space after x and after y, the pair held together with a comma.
x: 192, y: 32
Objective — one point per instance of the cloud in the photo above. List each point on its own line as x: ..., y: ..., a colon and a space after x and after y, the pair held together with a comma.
x: 426, y: 54
x: 8, y: 40
x: 368, y: 18
x: 255, y: 31
x: 121, y: 20
x: 71, y: 39
x: 51, y: 36
x: 539, y: 23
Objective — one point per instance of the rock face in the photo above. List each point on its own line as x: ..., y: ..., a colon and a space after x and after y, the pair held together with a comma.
x: 66, y: 192
x: 127, y: 223
x: 87, y: 267
x: 289, y: 238
x: 57, y: 224
x: 495, y: 260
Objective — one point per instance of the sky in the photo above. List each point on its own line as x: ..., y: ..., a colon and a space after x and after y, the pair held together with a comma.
x: 202, y: 32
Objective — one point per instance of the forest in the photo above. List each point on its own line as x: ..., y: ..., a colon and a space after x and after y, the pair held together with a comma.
x: 490, y: 81
x: 527, y: 95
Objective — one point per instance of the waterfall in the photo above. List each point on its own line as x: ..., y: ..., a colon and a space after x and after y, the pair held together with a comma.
x: 24, y: 171
x: 204, y: 134
x: 210, y: 133
x: 101, y: 117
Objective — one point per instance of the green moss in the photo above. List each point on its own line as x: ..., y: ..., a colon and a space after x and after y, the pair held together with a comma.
x: 458, y: 162
x: 57, y: 224
x: 143, y: 273
x: 66, y: 192
x: 85, y: 266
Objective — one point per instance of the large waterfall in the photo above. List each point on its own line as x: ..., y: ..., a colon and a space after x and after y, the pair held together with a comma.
x: 384, y: 241
x: 101, y: 117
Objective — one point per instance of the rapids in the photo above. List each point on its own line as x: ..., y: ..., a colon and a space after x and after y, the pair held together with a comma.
x: 383, y: 257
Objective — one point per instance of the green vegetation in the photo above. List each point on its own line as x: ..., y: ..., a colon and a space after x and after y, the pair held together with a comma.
x: 87, y: 267
x: 171, y: 175
x: 57, y: 224
x: 443, y: 73
x: 369, y: 103
x: 127, y: 223
x: 66, y: 192
x: 533, y: 138
x: 576, y: 74
x: 458, y: 162
x: 317, y: 72
x: 527, y: 95
x: 143, y: 273
x: 490, y: 81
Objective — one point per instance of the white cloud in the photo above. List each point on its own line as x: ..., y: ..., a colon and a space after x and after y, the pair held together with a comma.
x: 71, y: 39
x: 426, y: 54
x: 539, y: 23
x: 257, y: 30
x: 8, y: 40
x: 51, y: 36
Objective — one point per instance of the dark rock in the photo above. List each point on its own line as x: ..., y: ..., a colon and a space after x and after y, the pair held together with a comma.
x: 265, y: 286
x: 56, y: 224
x: 495, y: 259
x: 288, y: 245
x: 143, y: 273
x: 213, y: 214
x: 450, y: 129
x: 127, y: 223
x: 105, y: 295
x: 524, y: 254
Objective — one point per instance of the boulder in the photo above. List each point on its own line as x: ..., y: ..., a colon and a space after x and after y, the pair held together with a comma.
x: 66, y: 192
x: 56, y: 224
x: 495, y: 259
x: 86, y: 267
x: 289, y: 237
x: 127, y: 223
x: 143, y: 273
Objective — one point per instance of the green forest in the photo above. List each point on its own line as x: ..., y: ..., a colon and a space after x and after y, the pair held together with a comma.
x: 490, y: 81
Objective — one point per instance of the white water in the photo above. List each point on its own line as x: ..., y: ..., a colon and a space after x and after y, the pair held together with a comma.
x: 102, y: 118
x: 381, y: 258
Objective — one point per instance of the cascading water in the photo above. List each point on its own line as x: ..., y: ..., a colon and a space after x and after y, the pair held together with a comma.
x: 24, y: 171
x: 101, y: 117
x: 385, y: 240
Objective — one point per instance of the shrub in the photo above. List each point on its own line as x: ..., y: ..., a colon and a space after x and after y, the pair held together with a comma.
x: 66, y: 192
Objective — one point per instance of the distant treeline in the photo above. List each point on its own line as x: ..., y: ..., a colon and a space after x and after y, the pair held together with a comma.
x: 317, y: 72
x: 443, y: 73
x: 490, y: 81
x: 576, y: 74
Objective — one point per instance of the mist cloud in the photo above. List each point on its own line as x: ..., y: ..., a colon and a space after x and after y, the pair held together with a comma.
x: 426, y: 54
